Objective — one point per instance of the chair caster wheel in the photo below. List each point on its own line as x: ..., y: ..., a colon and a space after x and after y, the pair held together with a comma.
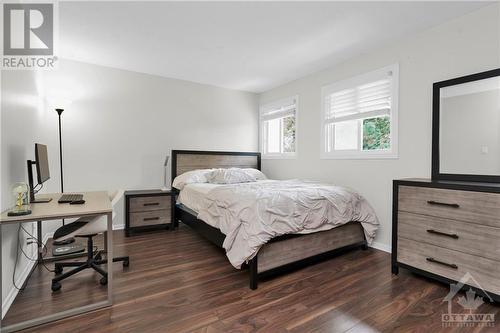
x: 98, y: 257
x: 126, y: 263
x: 56, y: 286
x: 103, y: 281
x: 58, y: 270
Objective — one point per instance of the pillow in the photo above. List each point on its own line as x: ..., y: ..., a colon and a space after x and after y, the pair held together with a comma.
x: 191, y: 177
x: 259, y: 175
x: 229, y: 176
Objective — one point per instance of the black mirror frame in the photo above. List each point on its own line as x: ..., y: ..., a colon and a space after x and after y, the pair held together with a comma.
x: 436, y: 173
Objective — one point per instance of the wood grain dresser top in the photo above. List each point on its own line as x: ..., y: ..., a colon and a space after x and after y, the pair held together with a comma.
x: 450, y: 184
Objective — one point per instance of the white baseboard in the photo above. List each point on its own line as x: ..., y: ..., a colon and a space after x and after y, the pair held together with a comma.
x: 12, y: 294
x: 21, y: 279
x: 381, y: 247
x: 118, y: 226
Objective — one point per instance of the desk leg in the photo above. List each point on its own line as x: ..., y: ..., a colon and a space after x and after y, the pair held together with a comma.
x: 109, y: 256
x: 39, y: 244
x: 106, y: 242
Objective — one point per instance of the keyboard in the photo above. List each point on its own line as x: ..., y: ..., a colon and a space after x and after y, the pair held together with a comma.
x: 67, y: 198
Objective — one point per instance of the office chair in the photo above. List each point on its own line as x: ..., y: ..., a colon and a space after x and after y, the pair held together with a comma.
x: 86, y: 227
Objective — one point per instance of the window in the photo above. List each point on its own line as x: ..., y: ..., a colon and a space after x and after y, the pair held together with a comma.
x: 278, y: 127
x: 359, y: 116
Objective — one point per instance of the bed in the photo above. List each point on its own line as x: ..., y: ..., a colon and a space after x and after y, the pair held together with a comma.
x: 276, y: 255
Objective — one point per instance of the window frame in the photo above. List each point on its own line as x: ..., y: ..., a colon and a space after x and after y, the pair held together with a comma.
x: 272, y: 105
x: 338, y: 86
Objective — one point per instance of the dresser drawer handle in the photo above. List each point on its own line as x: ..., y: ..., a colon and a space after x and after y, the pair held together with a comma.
x: 437, y: 203
x: 151, y: 218
x: 152, y: 204
x: 431, y: 231
x: 430, y: 259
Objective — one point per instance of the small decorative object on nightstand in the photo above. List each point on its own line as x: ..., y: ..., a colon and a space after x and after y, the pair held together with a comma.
x: 147, y: 210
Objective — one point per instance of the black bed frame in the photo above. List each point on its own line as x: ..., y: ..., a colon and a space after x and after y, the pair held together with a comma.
x: 214, y: 235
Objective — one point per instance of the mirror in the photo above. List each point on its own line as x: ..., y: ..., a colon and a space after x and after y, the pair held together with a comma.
x: 466, y: 128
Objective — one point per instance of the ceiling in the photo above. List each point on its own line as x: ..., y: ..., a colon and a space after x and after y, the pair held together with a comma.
x: 250, y: 46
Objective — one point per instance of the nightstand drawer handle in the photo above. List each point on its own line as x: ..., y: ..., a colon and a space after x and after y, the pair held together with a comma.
x: 152, y: 204
x: 440, y: 233
x: 437, y: 203
x: 151, y: 218
x: 430, y: 259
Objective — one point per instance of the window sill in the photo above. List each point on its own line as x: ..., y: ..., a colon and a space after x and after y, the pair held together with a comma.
x: 360, y: 156
x: 279, y: 156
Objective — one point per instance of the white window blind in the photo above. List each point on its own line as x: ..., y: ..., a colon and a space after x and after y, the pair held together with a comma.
x: 279, y: 110
x: 367, y: 100
x: 360, y: 115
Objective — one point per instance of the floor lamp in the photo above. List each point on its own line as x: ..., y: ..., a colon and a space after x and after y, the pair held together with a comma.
x: 59, y: 113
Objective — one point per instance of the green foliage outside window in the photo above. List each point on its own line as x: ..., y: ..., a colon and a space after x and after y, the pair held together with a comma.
x: 376, y: 133
x: 289, y: 135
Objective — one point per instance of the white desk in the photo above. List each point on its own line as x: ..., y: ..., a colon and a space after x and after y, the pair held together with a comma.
x: 96, y: 204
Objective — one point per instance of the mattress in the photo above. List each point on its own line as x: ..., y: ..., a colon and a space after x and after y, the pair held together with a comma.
x: 251, y: 214
x: 192, y: 195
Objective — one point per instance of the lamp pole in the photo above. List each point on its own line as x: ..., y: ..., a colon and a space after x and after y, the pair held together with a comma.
x: 59, y: 112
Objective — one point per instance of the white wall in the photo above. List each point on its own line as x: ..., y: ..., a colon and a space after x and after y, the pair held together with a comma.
x: 116, y: 132
x: 463, y: 46
x: 21, y: 115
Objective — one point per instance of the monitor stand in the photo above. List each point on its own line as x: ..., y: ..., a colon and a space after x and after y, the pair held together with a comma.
x: 44, y: 200
x: 33, y: 199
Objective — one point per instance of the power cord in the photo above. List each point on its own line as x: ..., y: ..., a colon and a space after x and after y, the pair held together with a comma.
x: 19, y: 247
x: 15, y: 263
x: 40, y: 244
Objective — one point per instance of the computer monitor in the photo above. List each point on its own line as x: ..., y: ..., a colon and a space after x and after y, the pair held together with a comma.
x: 41, y: 163
x: 42, y: 171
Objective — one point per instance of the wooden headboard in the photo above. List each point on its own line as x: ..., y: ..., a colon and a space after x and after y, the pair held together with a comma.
x: 188, y: 160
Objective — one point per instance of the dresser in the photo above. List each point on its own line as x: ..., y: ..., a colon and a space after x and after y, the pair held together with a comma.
x: 448, y: 231
x: 147, y: 210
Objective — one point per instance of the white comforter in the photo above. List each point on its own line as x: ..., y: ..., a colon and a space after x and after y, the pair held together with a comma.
x: 250, y: 214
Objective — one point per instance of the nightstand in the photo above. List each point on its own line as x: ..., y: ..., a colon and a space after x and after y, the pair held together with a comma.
x: 147, y: 210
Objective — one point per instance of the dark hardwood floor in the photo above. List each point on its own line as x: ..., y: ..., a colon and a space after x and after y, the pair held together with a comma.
x: 37, y: 299
x: 178, y: 282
